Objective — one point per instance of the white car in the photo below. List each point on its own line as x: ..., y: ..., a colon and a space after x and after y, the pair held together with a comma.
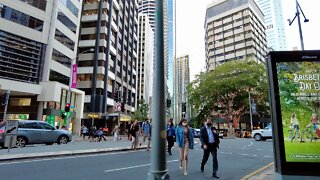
x: 262, y: 134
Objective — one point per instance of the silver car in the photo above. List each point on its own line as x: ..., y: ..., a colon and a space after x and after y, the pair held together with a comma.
x: 38, y: 132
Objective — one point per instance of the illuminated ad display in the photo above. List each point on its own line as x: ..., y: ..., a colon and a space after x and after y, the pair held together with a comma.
x: 294, y: 92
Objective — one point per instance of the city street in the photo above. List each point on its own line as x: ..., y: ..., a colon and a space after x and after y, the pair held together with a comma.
x: 237, y: 158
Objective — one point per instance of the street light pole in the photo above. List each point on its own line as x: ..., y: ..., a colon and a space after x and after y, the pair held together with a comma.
x: 250, y: 111
x: 299, y: 23
x: 158, y: 169
x: 70, y: 82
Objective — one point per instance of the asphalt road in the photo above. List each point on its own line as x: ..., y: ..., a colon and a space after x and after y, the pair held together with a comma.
x: 237, y: 158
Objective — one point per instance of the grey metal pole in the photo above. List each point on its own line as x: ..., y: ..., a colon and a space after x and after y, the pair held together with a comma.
x: 158, y: 169
x: 6, y: 106
x: 250, y: 111
x: 299, y: 24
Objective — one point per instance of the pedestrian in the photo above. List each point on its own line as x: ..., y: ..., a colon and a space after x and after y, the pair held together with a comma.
x: 135, y: 130
x: 116, y: 133
x: 84, y: 132
x: 100, y: 135
x: 171, y: 134
x: 184, y: 139
x: 209, y: 143
x: 128, y: 131
x: 146, y: 132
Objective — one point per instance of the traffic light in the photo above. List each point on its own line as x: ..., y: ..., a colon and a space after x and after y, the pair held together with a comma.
x: 67, y: 107
x: 5, y: 98
x: 168, y: 103
x: 63, y: 115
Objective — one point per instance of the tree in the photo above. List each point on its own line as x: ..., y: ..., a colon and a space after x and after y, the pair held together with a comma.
x: 142, y: 111
x: 224, y: 91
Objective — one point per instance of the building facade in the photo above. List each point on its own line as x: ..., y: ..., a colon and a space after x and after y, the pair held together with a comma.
x: 145, y: 60
x: 274, y: 23
x: 181, y: 81
x: 38, y: 41
x: 234, y: 31
x: 111, y: 28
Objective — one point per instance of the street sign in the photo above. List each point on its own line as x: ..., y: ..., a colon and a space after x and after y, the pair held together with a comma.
x: 118, y: 106
x: 12, y: 127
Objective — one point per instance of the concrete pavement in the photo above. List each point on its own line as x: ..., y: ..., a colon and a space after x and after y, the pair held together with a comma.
x: 265, y: 173
x: 77, y: 147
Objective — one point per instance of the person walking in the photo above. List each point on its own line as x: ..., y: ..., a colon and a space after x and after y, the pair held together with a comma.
x: 146, y: 132
x: 184, y: 139
x: 100, y: 135
x: 116, y: 133
x: 84, y: 132
x: 135, y: 130
x: 170, y: 135
x: 209, y: 143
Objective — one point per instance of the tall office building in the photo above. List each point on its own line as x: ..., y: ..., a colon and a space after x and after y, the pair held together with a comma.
x: 111, y: 28
x: 234, y: 31
x: 274, y: 23
x: 171, y: 47
x: 145, y: 60
x: 181, y: 81
x: 38, y: 40
x: 148, y: 7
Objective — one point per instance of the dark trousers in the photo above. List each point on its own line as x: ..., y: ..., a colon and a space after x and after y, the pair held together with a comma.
x: 100, y: 137
x: 170, y: 143
x: 206, y: 152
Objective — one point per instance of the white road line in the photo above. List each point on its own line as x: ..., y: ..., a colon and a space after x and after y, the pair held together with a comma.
x: 225, y: 152
x: 254, y: 155
x: 259, y: 149
x: 132, y: 167
x: 58, y: 158
x: 251, y: 143
x: 268, y: 156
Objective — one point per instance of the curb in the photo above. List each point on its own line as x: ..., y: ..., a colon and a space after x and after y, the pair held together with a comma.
x: 257, y: 171
x: 66, y: 153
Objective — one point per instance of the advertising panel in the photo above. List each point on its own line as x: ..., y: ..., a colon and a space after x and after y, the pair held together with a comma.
x: 294, y: 89
x: 299, y: 90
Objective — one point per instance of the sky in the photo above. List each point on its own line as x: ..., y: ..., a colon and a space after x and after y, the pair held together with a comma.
x: 190, y: 17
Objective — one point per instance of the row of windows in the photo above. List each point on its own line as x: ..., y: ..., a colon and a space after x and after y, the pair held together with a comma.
x: 70, y: 6
x: 40, y: 4
x: 66, y: 21
x: 63, y: 39
x: 61, y: 58
x: 20, y: 18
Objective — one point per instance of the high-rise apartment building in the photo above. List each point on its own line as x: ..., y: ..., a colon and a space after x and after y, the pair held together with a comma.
x: 111, y: 28
x: 274, y: 23
x: 38, y: 41
x: 145, y: 60
x: 181, y: 81
x: 234, y: 31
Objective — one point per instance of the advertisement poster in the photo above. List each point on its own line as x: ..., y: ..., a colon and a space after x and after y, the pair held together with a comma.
x: 299, y: 91
x: 74, y: 76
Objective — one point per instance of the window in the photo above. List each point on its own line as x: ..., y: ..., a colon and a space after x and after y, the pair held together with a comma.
x: 63, y: 39
x: 41, y: 4
x: 20, y: 18
x: 70, y: 6
x: 44, y: 126
x: 66, y: 21
x: 28, y: 125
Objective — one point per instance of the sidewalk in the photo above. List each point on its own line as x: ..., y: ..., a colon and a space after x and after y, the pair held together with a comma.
x: 77, y: 147
x: 265, y: 173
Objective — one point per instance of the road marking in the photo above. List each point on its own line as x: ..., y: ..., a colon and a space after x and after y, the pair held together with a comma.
x: 251, y: 143
x: 256, y: 172
x: 268, y: 156
x: 59, y: 158
x: 259, y: 149
x: 132, y: 167
x: 225, y: 152
x: 254, y: 155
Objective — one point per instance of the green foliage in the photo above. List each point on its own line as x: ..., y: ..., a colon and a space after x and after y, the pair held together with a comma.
x: 142, y: 111
x: 225, y: 90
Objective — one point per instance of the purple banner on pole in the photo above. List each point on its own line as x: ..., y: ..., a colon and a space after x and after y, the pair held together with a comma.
x: 74, y: 76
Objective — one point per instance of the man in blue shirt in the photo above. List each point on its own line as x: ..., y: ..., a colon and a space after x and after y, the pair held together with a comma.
x: 209, y: 143
x: 146, y: 131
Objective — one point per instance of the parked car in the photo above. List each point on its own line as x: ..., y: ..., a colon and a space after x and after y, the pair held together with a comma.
x: 196, y: 132
x: 37, y: 132
x: 262, y: 134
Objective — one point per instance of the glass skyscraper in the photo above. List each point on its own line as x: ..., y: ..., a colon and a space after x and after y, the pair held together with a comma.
x: 274, y: 23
